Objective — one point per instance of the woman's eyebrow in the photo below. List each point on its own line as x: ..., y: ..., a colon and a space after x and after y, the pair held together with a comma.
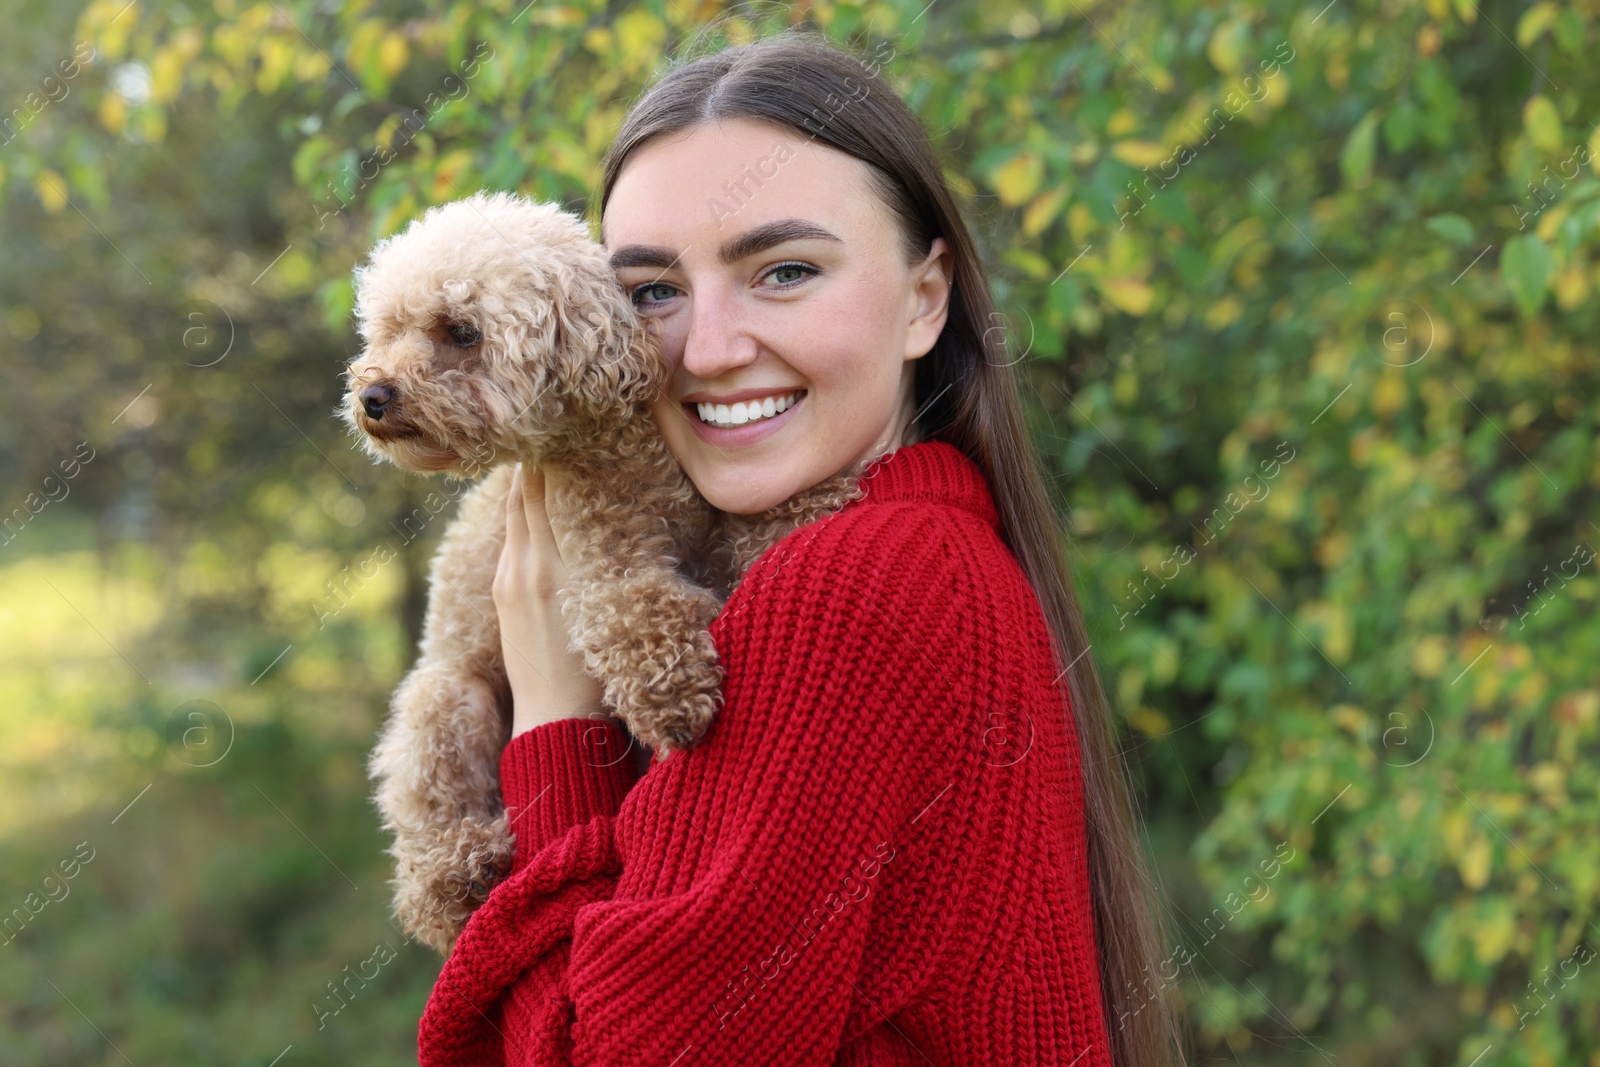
x: 735, y: 248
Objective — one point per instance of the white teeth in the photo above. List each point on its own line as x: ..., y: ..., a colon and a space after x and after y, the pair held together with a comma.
x: 726, y: 415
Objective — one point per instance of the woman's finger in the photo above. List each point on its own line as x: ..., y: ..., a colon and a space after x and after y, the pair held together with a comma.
x: 545, y: 552
x: 516, y: 520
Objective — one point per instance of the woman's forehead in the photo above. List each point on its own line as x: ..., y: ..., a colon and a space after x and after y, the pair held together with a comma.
x: 718, y: 183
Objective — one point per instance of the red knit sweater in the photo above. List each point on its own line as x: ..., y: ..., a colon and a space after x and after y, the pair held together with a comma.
x: 876, y: 856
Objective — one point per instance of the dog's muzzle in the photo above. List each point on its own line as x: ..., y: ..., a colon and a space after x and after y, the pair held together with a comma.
x: 375, y: 400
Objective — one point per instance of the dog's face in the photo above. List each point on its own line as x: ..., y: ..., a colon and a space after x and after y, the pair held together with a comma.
x: 493, y: 329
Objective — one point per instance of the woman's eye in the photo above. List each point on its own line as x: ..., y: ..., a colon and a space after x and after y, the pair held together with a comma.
x: 797, y: 271
x: 647, y: 287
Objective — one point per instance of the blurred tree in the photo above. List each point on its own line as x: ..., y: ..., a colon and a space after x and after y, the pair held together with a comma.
x: 1304, y: 296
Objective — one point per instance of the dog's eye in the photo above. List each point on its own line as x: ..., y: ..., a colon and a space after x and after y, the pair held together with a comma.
x: 464, y: 334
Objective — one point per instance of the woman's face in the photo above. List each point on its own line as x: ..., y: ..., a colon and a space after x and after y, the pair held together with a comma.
x: 771, y: 271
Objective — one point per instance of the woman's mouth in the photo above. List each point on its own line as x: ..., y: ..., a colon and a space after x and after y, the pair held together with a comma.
x: 744, y: 422
x: 725, y: 416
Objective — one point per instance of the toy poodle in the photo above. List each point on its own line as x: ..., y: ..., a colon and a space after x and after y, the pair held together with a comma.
x: 495, y: 331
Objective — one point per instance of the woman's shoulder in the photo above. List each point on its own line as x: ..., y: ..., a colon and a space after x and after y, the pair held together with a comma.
x: 871, y: 559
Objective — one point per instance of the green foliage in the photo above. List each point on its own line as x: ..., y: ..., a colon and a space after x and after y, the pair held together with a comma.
x: 1308, y: 300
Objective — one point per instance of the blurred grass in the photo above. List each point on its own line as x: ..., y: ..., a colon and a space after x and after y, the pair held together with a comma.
x: 236, y: 865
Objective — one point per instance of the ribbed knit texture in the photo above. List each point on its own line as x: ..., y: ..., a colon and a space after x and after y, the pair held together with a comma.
x: 876, y: 857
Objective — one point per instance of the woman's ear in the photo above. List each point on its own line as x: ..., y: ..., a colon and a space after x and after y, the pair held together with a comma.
x: 931, y: 283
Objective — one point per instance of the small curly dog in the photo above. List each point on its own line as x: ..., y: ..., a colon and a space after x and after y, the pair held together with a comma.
x: 495, y: 331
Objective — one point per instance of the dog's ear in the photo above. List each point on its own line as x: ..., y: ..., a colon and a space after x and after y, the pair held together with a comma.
x: 605, y: 359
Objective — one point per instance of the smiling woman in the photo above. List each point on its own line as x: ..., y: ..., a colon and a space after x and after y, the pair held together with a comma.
x: 907, y: 677
x: 792, y: 342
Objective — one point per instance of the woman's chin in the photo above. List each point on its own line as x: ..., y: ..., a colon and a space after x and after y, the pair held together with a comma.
x: 744, y: 504
x: 742, y: 494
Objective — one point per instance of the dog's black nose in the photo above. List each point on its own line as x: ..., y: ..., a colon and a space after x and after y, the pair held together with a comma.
x: 375, y: 399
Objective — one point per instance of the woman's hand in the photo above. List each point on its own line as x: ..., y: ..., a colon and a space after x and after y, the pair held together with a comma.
x: 547, y: 681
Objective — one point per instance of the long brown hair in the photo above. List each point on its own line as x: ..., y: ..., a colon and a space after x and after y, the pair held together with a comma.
x: 966, y: 395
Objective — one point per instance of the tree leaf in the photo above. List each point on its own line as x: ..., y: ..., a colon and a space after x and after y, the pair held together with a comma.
x: 1543, y: 123
x: 1452, y: 227
x: 1355, y: 160
x: 1526, y: 267
x: 1534, y: 22
x: 1018, y: 178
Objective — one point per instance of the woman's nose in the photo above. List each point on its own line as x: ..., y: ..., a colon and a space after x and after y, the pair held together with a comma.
x: 719, y: 338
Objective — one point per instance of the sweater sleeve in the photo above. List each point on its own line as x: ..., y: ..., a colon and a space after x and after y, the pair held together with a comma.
x: 562, y: 773
x: 840, y: 647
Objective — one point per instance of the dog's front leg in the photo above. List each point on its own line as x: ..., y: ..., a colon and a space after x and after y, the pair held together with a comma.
x: 437, y: 758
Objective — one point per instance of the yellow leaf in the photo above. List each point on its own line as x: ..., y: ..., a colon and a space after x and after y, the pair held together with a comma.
x: 107, y: 23
x: 1122, y: 121
x: 1080, y: 220
x: 1534, y: 22
x: 1474, y: 863
x: 1042, y: 212
x: 311, y: 67
x: 1547, y: 777
x: 1032, y: 262
x: 1337, y: 631
x: 52, y: 190
x: 113, y: 112
x: 1491, y: 936
x: 1132, y: 295
x: 1571, y: 286
x: 447, y: 175
x: 1543, y: 123
x: 1149, y: 721
x: 640, y: 32
x: 1125, y: 388
x: 1337, y: 70
x: 1164, y: 661
x: 172, y: 62
x: 1224, y: 47
x: 1139, y: 153
x: 1428, y: 656
x: 276, y: 58
x: 1220, y: 314
x: 1389, y: 392
x: 1018, y: 178
x: 393, y: 54
x: 1349, y: 717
